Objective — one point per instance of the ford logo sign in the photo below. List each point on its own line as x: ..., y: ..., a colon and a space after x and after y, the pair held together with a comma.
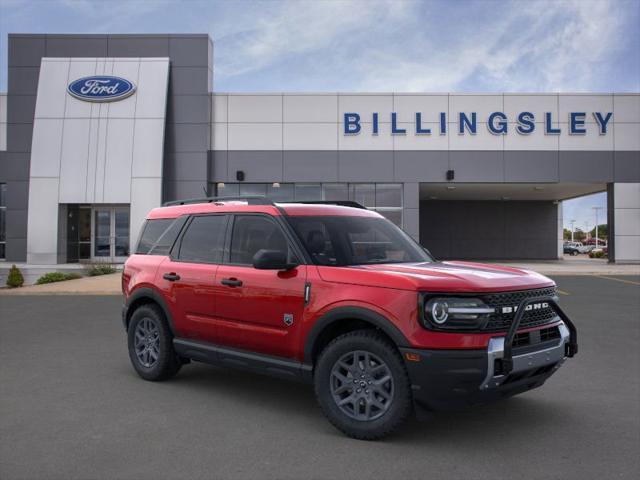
x: 101, y: 88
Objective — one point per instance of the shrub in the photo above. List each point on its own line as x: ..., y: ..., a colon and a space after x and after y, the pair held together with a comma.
x: 15, y: 278
x: 52, y: 277
x: 596, y: 254
x: 100, y: 269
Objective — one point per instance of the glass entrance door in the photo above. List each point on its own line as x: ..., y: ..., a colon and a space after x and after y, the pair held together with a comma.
x: 110, y: 234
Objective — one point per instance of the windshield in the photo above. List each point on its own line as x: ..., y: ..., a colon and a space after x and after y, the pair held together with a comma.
x: 342, y: 241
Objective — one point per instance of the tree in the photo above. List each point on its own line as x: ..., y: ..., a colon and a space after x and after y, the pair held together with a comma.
x: 578, y: 235
x: 603, y: 231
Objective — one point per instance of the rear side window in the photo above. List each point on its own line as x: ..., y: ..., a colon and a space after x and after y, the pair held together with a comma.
x: 203, y: 241
x: 151, y: 232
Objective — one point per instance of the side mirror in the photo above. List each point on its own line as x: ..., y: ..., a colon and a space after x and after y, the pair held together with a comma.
x: 272, y: 260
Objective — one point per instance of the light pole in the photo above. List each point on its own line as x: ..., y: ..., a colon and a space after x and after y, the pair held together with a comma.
x: 572, y: 222
x: 596, y: 210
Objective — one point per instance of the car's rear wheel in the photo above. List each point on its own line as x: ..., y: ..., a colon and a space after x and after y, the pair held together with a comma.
x: 362, y: 385
x: 150, y: 344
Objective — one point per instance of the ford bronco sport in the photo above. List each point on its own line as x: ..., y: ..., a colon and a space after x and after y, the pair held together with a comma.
x: 336, y: 295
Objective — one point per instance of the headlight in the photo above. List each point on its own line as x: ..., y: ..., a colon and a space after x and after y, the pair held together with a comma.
x: 455, y: 313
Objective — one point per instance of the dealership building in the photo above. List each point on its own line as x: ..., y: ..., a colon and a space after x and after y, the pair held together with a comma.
x: 95, y: 130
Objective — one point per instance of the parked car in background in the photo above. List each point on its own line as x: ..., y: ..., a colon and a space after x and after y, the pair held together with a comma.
x: 573, y: 248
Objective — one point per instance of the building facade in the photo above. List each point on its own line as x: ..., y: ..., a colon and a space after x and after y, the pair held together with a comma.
x: 95, y: 130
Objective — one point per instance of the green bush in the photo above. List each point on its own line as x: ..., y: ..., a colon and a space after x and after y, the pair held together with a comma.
x: 597, y: 254
x: 15, y: 278
x: 100, y: 269
x: 52, y: 277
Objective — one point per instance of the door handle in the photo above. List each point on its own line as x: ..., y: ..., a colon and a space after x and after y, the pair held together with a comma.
x: 231, y: 282
x: 172, y: 277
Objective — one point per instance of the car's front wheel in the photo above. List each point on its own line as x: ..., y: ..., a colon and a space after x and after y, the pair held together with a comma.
x: 150, y: 344
x: 362, y: 385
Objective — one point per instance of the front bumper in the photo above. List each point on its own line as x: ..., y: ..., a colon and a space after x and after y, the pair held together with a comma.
x: 454, y: 379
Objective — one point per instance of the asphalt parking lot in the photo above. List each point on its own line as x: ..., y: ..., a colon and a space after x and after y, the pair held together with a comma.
x: 72, y: 407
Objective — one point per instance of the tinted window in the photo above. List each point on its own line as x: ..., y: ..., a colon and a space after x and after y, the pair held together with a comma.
x: 167, y: 239
x: 252, y: 233
x: 151, y: 232
x: 203, y: 240
x: 344, y: 241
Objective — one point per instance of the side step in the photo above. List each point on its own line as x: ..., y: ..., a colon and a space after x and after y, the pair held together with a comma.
x: 230, y: 357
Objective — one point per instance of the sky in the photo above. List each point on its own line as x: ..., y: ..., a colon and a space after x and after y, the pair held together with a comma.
x: 377, y: 45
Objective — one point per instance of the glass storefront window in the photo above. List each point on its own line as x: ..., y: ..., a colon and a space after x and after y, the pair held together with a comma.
x: 363, y: 193
x: 280, y: 192
x: 388, y: 195
x: 335, y: 191
x: 308, y: 191
x: 227, y: 190
x: 253, y: 189
x: 384, y: 198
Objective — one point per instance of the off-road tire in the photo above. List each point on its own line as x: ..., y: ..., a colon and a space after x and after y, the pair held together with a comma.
x: 167, y: 363
x: 401, y: 405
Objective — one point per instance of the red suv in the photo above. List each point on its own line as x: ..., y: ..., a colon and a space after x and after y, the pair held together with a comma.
x: 336, y: 295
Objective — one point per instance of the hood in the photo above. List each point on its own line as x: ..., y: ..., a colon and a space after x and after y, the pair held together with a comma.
x: 438, y: 277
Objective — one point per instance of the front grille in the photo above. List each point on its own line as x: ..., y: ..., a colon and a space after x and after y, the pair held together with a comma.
x: 500, y: 322
x: 533, y: 340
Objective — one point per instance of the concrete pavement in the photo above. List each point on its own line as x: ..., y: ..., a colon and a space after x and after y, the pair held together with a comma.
x: 71, y: 407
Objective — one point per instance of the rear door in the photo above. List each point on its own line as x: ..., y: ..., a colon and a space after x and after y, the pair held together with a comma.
x: 259, y: 310
x: 188, y: 276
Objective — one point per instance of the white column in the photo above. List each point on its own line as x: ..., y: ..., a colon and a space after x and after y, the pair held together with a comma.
x: 626, y: 222
x: 560, y: 236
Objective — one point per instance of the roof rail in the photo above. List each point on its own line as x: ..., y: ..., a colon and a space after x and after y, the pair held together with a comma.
x: 340, y: 203
x: 250, y: 199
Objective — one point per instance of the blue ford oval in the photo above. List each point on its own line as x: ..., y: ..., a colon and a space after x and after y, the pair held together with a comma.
x: 101, y: 88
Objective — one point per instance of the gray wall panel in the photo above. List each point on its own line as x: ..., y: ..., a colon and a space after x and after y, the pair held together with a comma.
x: 428, y: 166
x: 17, y: 194
x: 525, y: 166
x: 22, y: 108
x: 586, y: 166
x: 189, y: 51
x: 477, y: 166
x: 26, y: 50
x: 218, y: 165
x: 16, y: 249
x: 489, y: 230
x: 188, y: 80
x: 16, y: 223
x: 23, y: 80
x: 185, y: 166
x: 259, y: 166
x: 76, y: 46
x: 188, y: 109
x: 17, y: 168
x: 365, y: 166
x: 306, y: 166
x: 187, y: 137
x: 626, y: 166
x: 185, y: 189
x: 138, y: 46
x: 19, y: 137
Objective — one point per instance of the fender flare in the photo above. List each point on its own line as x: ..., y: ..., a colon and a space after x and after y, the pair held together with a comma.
x: 151, y: 294
x: 351, y: 313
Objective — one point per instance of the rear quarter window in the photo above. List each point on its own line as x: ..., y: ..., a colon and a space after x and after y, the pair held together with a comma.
x: 159, y: 235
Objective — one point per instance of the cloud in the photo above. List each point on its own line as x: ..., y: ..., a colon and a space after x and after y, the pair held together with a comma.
x: 407, y: 46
